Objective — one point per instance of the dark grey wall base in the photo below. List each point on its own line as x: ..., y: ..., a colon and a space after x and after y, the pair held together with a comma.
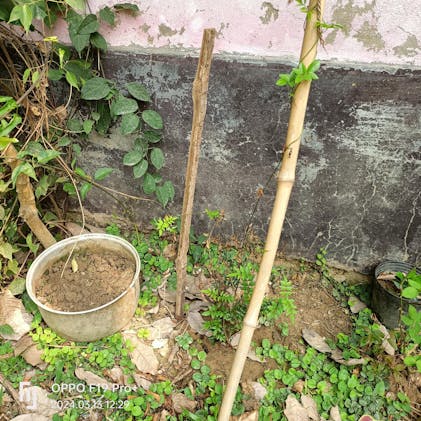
x: 357, y: 189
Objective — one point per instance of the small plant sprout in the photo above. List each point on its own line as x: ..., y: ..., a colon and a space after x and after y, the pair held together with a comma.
x: 409, y: 284
x: 167, y: 224
x: 299, y: 74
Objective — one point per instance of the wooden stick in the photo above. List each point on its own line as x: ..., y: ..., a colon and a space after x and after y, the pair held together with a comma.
x: 286, y: 178
x: 200, y: 92
x: 28, y: 209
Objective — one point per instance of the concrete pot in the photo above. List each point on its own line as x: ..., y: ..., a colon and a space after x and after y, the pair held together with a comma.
x: 385, y: 302
x: 95, y: 323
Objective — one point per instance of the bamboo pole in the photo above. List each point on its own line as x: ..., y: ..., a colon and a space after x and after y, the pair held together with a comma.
x: 200, y: 97
x: 286, y: 178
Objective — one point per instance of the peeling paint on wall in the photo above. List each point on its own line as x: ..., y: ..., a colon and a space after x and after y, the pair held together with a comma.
x: 166, y: 31
x: 410, y: 48
x: 271, y: 13
x: 370, y: 37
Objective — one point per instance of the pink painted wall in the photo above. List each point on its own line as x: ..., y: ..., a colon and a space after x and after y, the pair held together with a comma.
x: 375, y: 31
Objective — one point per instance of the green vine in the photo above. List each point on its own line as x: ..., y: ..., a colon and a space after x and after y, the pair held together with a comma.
x: 47, y: 137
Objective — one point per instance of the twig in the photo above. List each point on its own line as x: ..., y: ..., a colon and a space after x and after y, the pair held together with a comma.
x: 182, y: 376
x: 13, y: 393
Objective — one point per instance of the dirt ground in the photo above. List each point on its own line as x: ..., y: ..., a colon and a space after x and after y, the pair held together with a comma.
x: 316, y: 309
x: 88, y: 280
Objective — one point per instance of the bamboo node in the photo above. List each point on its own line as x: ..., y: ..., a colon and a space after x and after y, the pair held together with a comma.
x: 250, y: 324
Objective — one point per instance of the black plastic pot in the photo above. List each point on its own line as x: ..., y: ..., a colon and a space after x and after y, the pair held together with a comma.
x: 387, y: 303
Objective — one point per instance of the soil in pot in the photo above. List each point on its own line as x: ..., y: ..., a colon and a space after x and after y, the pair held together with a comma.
x: 97, y: 277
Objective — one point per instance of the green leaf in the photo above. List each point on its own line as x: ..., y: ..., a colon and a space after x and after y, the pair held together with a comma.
x: 283, y: 79
x: 26, y: 75
x: 72, y: 80
x: 107, y: 15
x: 24, y: 168
x: 80, y: 68
x: 6, y: 141
x: 5, y: 12
x: 410, y: 360
x: 10, y: 105
x: 102, y: 173
x: 47, y: 155
x: 138, y: 91
x: 7, y: 250
x: 64, y: 141
x: 104, y: 122
x: 79, y: 171
x: 69, y: 188
x: 126, y: 6
x: 6, y: 330
x: 88, y: 125
x: 78, y: 5
x: 149, y: 184
x: 23, y: 13
x: 74, y: 125
x: 85, y: 189
x: 42, y: 187
x: 123, y: 105
x: 132, y: 158
x: 410, y: 292
x: 17, y: 286
x: 79, y: 41
x: 35, y: 77
x: 55, y: 74
x: 95, y: 89
x: 153, y: 119
x: 314, y: 66
x: 380, y: 388
x: 151, y: 136
x: 165, y: 193
x: 11, y: 125
x: 89, y: 25
x: 129, y: 123
x: 30, y: 243
x: 157, y: 158
x: 98, y: 41
x: 139, y: 170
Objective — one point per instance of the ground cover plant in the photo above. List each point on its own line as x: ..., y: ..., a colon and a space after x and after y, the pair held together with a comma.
x: 182, y: 379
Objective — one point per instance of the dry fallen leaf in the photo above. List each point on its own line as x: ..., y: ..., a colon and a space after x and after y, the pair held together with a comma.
x: 195, y: 321
x: 335, y: 415
x: 75, y: 229
x: 259, y: 391
x: 310, y: 406
x: 37, y: 401
x: 142, y: 355
x: 30, y: 417
x: 319, y: 343
x: 388, y: 348
x: 182, y: 402
x: 170, y: 251
x: 13, y: 313
x: 141, y: 382
x: 92, y: 379
x: 251, y: 354
x: 356, y: 305
x: 116, y: 374
x: 316, y: 341
x: 294, y: 411
x: 161, y: 329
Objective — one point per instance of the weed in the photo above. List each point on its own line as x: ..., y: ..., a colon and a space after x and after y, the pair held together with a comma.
x: 167, y: 224
x: 355, y: 391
